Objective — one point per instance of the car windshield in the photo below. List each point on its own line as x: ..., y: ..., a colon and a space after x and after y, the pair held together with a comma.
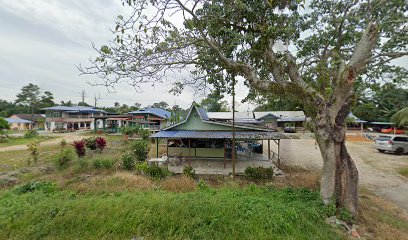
x: 383, y: 138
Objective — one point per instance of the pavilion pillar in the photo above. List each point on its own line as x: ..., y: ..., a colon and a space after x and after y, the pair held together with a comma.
x: 189, y: 152
x: 269, y: 149
x: 225, y: 151
x: 362, y: 127
x: 279, y: 153
x: 167, y: 148
x: 157, y: 148
x: 95, y: 124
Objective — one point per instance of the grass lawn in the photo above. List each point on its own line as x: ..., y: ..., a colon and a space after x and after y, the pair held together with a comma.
x: 89, y: 201
x: 226, y: 213
x: 403, y: 171
x: 23, y: 141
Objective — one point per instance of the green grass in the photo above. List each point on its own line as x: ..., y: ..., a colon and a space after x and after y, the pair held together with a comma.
x: 11, y: 160
x: 403, y: 171
x: 23, y: 141
x: 250, y: 213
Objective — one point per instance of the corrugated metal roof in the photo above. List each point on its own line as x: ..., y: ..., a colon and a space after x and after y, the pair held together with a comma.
x: 74, y: 109
x: 202, y: 113
x: 356, y: 119
x: 282, y: 114
x: 382, y: 123
x: 228, y: 115
x: 16, y: 120
x: 155, y: 111
x: 219, y: 135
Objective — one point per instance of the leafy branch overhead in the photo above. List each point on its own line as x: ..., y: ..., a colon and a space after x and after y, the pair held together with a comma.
x: 329, y: 42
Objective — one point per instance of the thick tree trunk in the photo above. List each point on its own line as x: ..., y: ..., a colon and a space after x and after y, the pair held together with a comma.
x: 339, y: 176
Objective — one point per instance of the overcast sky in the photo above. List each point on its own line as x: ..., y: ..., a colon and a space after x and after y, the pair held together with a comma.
x: 42, y: 42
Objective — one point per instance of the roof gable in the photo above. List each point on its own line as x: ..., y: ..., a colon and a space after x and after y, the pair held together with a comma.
x: 27, y: 116
x: 159, y: 112
x: 197, y: 119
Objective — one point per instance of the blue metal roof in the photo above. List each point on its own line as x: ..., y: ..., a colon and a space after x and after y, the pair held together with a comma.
x: 382, y: 123
x: 203, y: 113
x: 16, y: 120
x: 219, y: 135
x: 155, y: 111
x: 74, y: 109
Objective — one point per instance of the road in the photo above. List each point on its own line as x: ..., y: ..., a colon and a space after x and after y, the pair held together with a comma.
x: 377, y: 171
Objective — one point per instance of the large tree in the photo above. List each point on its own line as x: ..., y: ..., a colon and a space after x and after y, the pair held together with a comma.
x: 316, y: 53
x: 214, y: 102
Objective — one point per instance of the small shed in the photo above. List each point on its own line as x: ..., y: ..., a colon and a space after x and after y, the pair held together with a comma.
x: 197, y: 137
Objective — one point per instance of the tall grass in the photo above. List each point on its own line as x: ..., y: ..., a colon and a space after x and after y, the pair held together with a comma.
x: 233, y: 213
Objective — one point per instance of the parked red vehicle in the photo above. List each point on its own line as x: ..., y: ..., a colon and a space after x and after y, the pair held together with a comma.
x: 391, y: 131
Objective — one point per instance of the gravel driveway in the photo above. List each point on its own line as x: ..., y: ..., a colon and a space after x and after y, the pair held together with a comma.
x: 378, y: 171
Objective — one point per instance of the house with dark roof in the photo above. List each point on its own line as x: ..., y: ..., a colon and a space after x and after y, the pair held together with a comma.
x: 63, y: 118
x: 152, y: 119
x: 24, y: 122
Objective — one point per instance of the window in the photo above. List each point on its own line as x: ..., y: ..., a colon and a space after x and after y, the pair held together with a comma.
x: 401, y: 139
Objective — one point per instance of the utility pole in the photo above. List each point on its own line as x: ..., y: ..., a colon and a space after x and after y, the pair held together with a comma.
x: 233, y: 126
x: 96, y: 99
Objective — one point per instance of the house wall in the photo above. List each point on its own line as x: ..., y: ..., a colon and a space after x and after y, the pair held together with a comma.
x: 20, y: 126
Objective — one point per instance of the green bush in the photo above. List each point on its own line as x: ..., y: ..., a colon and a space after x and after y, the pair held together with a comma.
x: 45, y: 187
x: 4, y: 139
x: 258, y: 173
x: 142, y: 167
x: 31, y: 134
x: 90, y: 143
x: 129, y: 130
x: 140, y: 150
x: 128, y: 161
x: 103, y: 163
x: 189, y: 172
x: 63, y: 158
x: 156, y: 172
x: 144, y: 134
x: 33, y: 148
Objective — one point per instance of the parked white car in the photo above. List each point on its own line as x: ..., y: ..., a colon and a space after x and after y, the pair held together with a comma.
x: 392, y: 143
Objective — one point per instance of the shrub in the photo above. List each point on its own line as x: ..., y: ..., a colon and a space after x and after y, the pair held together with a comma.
x: 45, y: 187
x: 128, y: 161
x: 90, y: 143
x: 100, y: 143
x: 33, y: 148
x: 142, y: 167
x: 103, y: 163
x: 202, y: 185
x: 258, y: 173
x: 129, y: 130
x: 79, y: 148
x: 4, y: 139
x: 63, y: 143
x: 140, y: 150
x: 156, y: 172
x: 32, y: 133
x: 63, y: 158
x: 189, y: 172
x: 144, y: 134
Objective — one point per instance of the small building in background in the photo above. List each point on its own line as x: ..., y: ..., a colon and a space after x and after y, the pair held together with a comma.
x: 23, y: 122
x: 67, y: 118
x: 152, y: 119
x: 270, y: 119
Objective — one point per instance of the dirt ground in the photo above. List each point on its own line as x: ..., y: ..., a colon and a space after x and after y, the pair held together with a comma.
x: 69, y: 137
x: 378, y: 171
